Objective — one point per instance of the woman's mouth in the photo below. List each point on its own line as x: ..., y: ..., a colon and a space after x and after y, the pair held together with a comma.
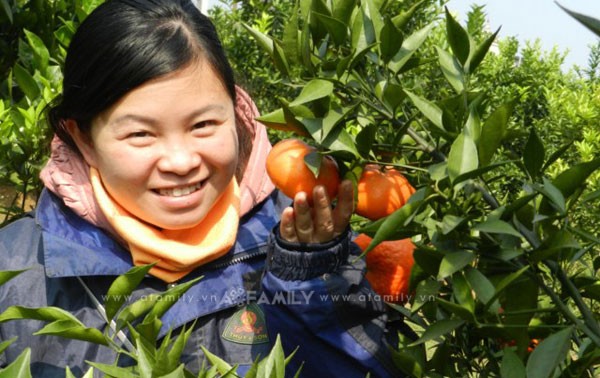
x: 180, y: 191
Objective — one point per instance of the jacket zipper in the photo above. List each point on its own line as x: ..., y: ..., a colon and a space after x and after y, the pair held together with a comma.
x: 259, y: 251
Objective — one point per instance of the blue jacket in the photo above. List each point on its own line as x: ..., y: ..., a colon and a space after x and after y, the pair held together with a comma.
x: 313, y: 296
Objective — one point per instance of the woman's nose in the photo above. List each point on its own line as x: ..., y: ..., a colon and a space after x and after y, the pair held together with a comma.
x: 179, y: 158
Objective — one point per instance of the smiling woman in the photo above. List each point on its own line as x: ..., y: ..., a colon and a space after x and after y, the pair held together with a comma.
x: 183, y: 145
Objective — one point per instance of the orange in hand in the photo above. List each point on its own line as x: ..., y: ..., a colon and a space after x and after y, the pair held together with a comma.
x: 388, y: 267
x: 289, y: 173
x: 381, y: 191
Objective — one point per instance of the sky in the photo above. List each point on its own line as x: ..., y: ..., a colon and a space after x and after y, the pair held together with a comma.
x: 529, y: 20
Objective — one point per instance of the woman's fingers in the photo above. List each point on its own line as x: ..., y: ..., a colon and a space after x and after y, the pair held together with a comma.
x: 304, y: 219
x: 323, y: 219
x: 344, y: 208
x: 287, y: 227
x: 319, y: 223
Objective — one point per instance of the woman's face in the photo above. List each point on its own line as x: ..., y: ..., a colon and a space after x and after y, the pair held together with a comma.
x: 168, y: 149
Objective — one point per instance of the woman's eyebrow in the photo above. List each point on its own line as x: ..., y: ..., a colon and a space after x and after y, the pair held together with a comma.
x: 151, y: 121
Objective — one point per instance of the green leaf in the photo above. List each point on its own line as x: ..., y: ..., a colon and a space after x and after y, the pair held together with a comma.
x: 429, y: 110
x: 452, y: 70
x: 390, y: 224
x: 463, y: 292
x: 6, y: 343
x: 473, y: 125
x: 478, y: 172
x: 136, y: 309
x: 393, y: 96
x: 511, y: 366
x: 533, y: 156
x: 587, y: 21
x: 178, y: 347
x: 402, y: 19
x: 426, y: 291
x: 313, y: 161
x: 122, y: 287
x: 462, y: 157
x: 549, y: 354
x: 341, y: 140
x: 8, y: 275
x: 40, y: 52
x: 69, y: 330
x: 337, y: 30
x: 177, y: 373
x: 68, y: 373
x: 372, y: 20
x: 496, y: 226
x: 113, y: 371
x: 573, y: 178
x: 460, y: 310
x: 557, y: 154
x: 279, y: 120
x: 274, y: 364
x: 19, y: 368
x: 506, y: 282
x: 561, y: 241
x: 342, y: 10
x: 271, y: 47
x: 453, y: 262
x: 450, y: 222
x: 407, y: 362
x: 553, y: 194
x: 145, y: 356
x: 457, y: 38
x: 170, y: 297
x: 493, y: 132
x: 438, y: 329
x: 476, y: 55
x: 290, y: 43
x: 390, y: 41
x: 7, y: 10
x: 314, y: 90
x: 26, y: 82
x: 48, y: 314
x: 409, y: 47
x: 482, y: 286
x: 318, y: 30
x: 222, y: 366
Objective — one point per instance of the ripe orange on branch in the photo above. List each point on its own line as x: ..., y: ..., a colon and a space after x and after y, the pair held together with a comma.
x: 381, y: 191
x: 290, y: 174
x: 388, y: 267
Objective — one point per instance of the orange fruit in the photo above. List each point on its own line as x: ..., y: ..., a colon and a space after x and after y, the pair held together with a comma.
x: 381, y: 191
x: 388, y: 267
x: 290, y: 174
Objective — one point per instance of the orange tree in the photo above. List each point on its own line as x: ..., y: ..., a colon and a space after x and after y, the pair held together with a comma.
x: 495, y: 268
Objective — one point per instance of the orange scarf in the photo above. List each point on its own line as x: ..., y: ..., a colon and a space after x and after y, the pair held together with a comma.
x: 176, y: 252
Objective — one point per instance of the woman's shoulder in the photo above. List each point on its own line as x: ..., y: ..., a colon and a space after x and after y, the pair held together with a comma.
x: 19, y: 244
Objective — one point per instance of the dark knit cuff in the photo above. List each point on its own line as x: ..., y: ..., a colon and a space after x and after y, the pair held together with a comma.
x: 304, y: 261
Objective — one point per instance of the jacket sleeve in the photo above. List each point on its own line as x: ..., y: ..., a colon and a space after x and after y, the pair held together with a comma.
x: 318, y: 300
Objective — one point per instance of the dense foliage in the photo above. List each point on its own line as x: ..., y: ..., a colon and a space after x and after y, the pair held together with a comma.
x: 500, y: 145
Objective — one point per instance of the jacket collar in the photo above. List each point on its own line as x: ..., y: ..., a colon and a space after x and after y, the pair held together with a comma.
x: 74, y: 247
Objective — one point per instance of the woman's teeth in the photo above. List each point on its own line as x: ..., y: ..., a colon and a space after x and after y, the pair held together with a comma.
x: 180, y: 191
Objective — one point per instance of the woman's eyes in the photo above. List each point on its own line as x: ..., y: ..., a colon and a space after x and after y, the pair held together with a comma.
x: 146, y: 134
x: 203, y: 124
x: 139, y: 134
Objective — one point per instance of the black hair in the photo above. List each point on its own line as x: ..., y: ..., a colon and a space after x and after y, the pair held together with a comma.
x: 125, y: 43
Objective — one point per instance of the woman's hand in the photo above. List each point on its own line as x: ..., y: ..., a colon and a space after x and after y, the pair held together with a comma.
x: 319, y: 223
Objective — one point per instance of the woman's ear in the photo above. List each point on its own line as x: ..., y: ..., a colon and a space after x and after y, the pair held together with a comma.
x: 82, y: 140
